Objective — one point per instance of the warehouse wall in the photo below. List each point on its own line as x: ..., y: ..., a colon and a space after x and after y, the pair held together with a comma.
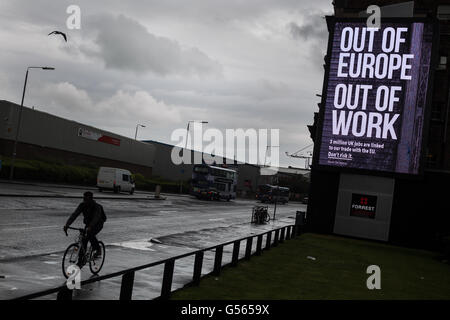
x: 45, y: 136
x: 163, y: 165
x: 54, y: 133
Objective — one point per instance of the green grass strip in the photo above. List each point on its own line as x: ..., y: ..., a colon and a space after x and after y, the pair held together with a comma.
x: 339, y: 272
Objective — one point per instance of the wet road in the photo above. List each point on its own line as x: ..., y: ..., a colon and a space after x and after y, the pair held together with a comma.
x: 32, y: 240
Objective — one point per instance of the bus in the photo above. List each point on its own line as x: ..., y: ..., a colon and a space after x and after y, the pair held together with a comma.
x: 213, y: 183
x: 270, y: 193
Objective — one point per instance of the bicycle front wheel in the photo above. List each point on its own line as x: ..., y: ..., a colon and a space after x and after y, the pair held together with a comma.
x: 70, y: 257
x: 96, y: 263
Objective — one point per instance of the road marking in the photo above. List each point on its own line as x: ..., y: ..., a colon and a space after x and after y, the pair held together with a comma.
x: 168, y: 211
x: 51, y: 262
x: 218, y: 219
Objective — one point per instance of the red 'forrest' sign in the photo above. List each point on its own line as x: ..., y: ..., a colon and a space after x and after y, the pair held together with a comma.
x: 363, y: 206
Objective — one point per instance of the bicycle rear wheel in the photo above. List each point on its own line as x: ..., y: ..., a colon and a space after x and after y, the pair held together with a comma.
x: 96, y: 264
x: 70, y: 257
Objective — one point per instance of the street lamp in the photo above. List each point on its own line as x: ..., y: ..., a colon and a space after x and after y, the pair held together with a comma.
x: 278, y: 190
x: 265, y: 155
x: 187, y: 131
x: 11, y: 171
x: 276, y: 199
x: 185, y: 147
x: 138, y: 125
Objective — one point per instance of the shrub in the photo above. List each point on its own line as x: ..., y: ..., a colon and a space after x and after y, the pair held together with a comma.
x: 49, y: 172
x: 44, y: 171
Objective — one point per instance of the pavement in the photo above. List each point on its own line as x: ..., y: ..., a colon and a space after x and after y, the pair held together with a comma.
x: 25, y: 275
x: 32, y: 241
x: 49, y: 190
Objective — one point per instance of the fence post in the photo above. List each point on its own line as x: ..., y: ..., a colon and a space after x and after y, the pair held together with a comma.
x: 288, y: 232
x: 268, y: 240
x: 235, y: 257
x: 64, y: 294
x: 295, y: 231
x: 126, y: 288
x: 275, y: 240
x: 259, y: 245
x: 167, y: 279
x: 197, y: 268
x: 282, y: 234
x: 248, y: 248
x: 218, y: 260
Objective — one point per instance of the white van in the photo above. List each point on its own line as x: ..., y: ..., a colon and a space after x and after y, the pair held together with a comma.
x: 115, y: 179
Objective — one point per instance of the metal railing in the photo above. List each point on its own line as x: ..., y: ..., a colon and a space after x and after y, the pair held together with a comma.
x: 126, y: 289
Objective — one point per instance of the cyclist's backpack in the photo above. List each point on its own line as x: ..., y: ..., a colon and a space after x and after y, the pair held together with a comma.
x: 103, y: 213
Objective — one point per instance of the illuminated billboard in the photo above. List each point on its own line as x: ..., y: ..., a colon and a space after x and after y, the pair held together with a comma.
x: 376, y: 96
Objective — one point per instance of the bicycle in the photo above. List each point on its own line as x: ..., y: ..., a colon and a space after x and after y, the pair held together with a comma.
x: 73, y: 251
x: 260, y: 214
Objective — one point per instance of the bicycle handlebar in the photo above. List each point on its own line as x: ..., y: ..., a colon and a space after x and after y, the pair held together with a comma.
x: 79, y: 229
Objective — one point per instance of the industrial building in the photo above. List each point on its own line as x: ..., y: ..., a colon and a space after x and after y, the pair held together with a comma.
x: 43, y: 136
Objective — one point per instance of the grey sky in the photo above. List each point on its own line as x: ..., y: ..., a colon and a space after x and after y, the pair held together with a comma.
x: 237, y: 64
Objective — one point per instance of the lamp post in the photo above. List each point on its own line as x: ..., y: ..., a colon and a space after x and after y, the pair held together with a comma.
x: 187, y: 131
x: 276, y: 199
x: 265, y: 155
x: 137, y: 126
x: 11, y: 171
x: 185, y: 147
x: 277, y: 187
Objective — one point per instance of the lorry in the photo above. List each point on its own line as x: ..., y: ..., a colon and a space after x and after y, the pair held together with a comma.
x: 115, y: 179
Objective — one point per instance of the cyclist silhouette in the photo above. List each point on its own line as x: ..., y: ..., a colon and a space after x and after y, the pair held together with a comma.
x: 93, y: 217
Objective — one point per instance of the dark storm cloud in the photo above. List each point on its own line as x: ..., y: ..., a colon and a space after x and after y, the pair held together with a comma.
x: 316, y: 30
x: 313, y: 31
x: 233, y: 63
x: 312, y: 27
x: 125, y: 44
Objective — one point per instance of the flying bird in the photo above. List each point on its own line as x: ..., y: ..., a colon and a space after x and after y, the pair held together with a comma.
x: 59, y: 32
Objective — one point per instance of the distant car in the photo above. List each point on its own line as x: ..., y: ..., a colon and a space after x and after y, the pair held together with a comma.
x: 305, y: 200
x: 115, y: 179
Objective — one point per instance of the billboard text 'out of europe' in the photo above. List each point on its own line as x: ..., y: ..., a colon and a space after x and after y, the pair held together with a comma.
x: 376, y: 96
